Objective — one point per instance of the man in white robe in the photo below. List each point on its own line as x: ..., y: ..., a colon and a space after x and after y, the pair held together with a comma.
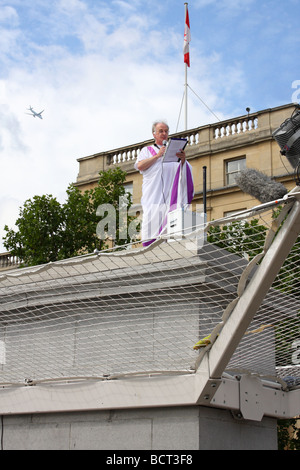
x: 166, y: 186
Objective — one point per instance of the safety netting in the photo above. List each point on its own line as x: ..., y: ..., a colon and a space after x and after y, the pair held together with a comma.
x: 133, y: 310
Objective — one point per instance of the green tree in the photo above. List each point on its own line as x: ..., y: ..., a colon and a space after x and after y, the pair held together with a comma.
x: 242, y: 237
x: 39, y: 236
x: 288, y: 434
x: 50, y: 231
x: 110, y: 191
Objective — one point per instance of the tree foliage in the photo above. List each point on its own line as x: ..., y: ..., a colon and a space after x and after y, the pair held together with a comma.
x: 241, y: 238
x: 40, y: 231
x: 49, y: 231
x: 288, y: 434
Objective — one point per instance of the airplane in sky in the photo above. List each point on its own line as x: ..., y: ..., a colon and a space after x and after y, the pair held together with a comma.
x: 34, y: 113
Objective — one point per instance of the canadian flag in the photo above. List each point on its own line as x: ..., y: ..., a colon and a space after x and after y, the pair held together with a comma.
x: 187, y: 39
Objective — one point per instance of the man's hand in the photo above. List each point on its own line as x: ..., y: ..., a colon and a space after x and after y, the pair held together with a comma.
x: 181, y: 156
x: 161, y: 152
x: 147, y: 162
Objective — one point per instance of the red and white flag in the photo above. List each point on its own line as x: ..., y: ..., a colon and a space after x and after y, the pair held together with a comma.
x: 187, y: 39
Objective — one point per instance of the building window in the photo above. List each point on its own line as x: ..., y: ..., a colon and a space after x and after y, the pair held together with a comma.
x: 232, y: 168
x: 128, y: 187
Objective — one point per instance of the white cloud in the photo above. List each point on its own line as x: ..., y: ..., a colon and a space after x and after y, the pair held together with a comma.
x: 9, y: 14
x: 10, y: 132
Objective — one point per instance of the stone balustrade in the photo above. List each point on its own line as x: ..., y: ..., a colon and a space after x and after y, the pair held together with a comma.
x: 195, y: 137
x: 8, y: 261
x: 236, y: 126
x: 204, y: 140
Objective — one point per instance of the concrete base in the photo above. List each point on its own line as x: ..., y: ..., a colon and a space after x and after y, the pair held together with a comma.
x: 182, y: 428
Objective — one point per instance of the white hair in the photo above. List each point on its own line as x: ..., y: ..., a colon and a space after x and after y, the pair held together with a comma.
x: 158, y: 122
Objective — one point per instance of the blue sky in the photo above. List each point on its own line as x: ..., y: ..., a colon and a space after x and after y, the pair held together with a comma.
x: 104, y: 71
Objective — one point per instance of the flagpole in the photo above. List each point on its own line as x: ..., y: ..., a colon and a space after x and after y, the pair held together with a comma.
x: 185, y: 98
x: 185, y: 83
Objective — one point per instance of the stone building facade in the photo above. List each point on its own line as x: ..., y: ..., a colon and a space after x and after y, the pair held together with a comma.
x: 216, y: 152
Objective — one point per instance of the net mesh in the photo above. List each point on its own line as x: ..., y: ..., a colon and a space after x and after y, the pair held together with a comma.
x: 144, y: 310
